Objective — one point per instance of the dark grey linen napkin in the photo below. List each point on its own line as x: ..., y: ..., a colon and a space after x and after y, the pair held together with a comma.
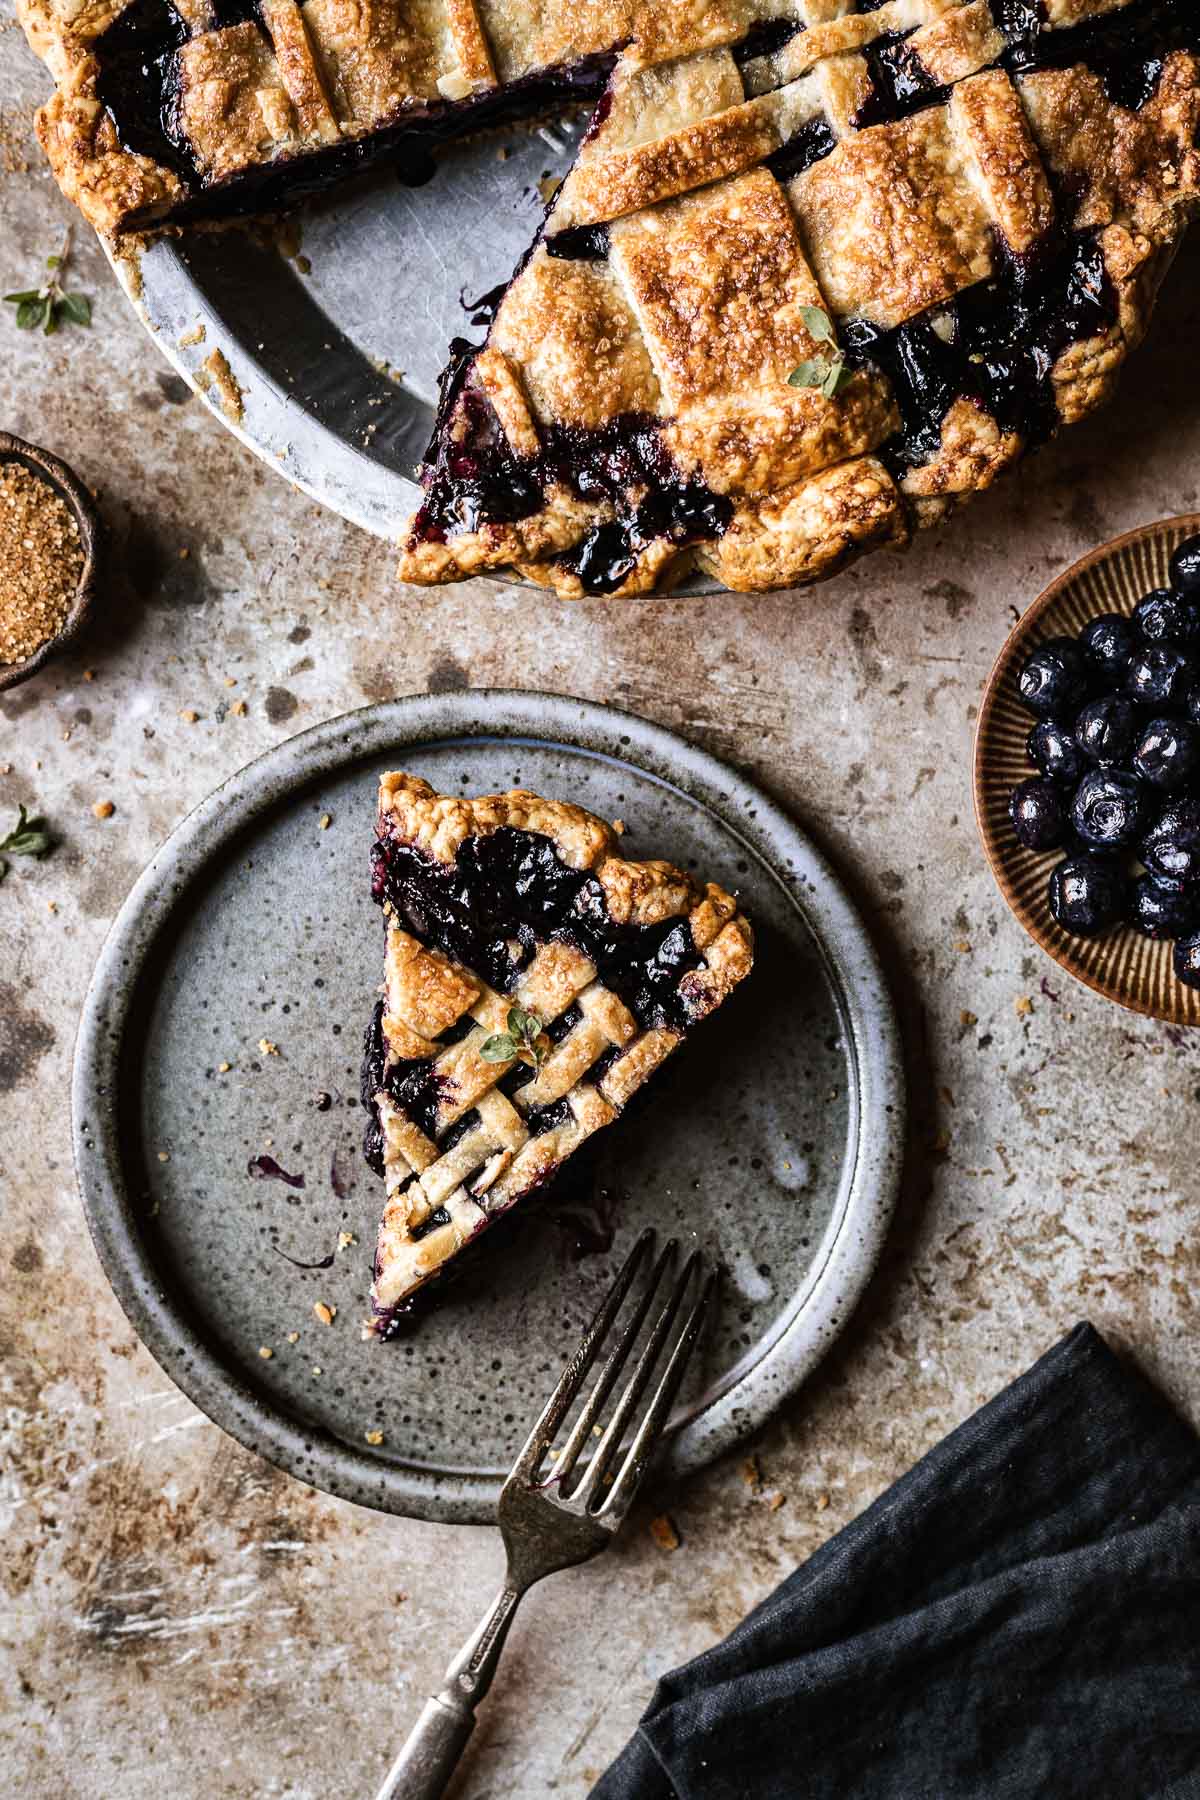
x: 1018, y: 1618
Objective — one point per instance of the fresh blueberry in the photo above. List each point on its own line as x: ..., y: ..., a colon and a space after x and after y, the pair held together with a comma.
x: 1167, y: 753
x: 1108, y: 642
x: 1171, y: 848
x: 1159, y: 675
x: 1160, y: 911
x: 1185, y: 567
x: 1053, y: 750
x: 1107, y: 810
x: 1187, y: 960
x: 1163, y: 617
x: 1038, y: 813
x: 1054, y: 680
x: 1087, y: 895
x: 1106, y: 728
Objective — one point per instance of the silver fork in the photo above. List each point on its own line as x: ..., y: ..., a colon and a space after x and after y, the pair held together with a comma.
x: 548, y: 1522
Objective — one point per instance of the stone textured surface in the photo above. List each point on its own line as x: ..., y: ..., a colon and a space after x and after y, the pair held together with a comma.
x: 176, y: 1617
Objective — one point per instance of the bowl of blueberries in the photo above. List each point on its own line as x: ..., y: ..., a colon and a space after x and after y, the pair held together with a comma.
x: 1087, y: 770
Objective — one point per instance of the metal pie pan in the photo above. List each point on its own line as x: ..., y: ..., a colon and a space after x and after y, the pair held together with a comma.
x: 231, y: 994
x: 337, y: 326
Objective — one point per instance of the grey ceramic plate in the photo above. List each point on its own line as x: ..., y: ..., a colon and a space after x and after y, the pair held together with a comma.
x: 773, y: 1140
x: 338, y: 367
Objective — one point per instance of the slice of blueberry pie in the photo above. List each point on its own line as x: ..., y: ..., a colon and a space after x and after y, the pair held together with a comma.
x: 534, y: 979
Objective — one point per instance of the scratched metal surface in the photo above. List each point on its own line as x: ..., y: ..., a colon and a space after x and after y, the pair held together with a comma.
x: 176, y: 1616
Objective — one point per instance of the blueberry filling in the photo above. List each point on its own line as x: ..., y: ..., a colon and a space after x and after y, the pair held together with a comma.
x: 438, y: 1217
x: 473, y: 478
x: 811, y: 144
x: 1126, y: 50
x: 139, y: 86
x: 579, y: 243
x: 764, y: 39
x: 997, y: 347
x: 511, y: 881
x: 900, y: 82
x: 548, y: 1118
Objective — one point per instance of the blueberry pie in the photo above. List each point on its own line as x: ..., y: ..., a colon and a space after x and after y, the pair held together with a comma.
x: 534, y: 979
x: 822, y: 268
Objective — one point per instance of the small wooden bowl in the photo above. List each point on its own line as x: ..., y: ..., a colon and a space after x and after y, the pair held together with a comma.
x: 71, y: 490
x: 1122, y: 965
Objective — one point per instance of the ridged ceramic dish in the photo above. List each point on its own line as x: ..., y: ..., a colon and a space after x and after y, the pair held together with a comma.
x: 1122, y: 965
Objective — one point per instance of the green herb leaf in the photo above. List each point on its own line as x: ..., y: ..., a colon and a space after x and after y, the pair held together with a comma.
x: 49, y: 306
x: 835, y: 380
x: 518, y: 1021
x: 807, y: 374
x: 499, y: 1048
x: 77, y: 308
x: 28, y: 837
x: 817, y: 324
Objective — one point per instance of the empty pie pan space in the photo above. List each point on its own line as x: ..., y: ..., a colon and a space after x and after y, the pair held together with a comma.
x: 1124, y: 966
x: 224, y: 1024
x: 336, y: 369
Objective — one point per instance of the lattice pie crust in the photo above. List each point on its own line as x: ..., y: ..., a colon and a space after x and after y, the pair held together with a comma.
x: 461, y: 1139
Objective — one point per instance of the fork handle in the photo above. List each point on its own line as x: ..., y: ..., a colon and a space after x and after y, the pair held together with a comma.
x: 430, y: 1755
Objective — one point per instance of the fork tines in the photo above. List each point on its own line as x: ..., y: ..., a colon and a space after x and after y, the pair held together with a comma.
x: 602, y: 1488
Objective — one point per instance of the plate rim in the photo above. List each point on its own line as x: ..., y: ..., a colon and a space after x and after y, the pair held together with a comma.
x: 852, y: 1241
x: 998, y: 852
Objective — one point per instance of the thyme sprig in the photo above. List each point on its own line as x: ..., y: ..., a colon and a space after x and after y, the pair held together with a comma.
x: 829, y: 373
x: 50, y: 306
x: 524, y: 1041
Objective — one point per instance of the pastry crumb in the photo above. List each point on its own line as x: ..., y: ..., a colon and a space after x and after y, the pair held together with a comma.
x: 223, y: 1068
x: 293, y: 1337
x: 238, y: 709
x: 751, y: 1473
x: 822, y: 1502
x: 662, y: 1530
x: 968, y: 1018
x: 326, y: 1314
x: 345, y: 1239
x: 164, y: 1156
x: 1023, y: 1006
x: 325, y: 821
x: 189, y: 716
x: 266, y: 1352
x: 776, y: 1501
x: 216, y: 367
x: 267, y: 1048
x: 103, y: 809
x: 196, y: 335
x: 373, y: 1437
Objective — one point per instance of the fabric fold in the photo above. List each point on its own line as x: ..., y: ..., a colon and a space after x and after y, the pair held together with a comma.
x: 1015, y: 1617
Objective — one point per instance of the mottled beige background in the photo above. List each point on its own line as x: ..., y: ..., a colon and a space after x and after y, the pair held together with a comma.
x: 176, y: 1617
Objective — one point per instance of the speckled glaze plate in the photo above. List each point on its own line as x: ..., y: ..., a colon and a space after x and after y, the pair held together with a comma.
x: 773, y: 1139
x: 1122, y: 965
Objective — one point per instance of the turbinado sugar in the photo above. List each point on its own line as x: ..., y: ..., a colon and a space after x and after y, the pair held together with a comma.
x: 41, y: 560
